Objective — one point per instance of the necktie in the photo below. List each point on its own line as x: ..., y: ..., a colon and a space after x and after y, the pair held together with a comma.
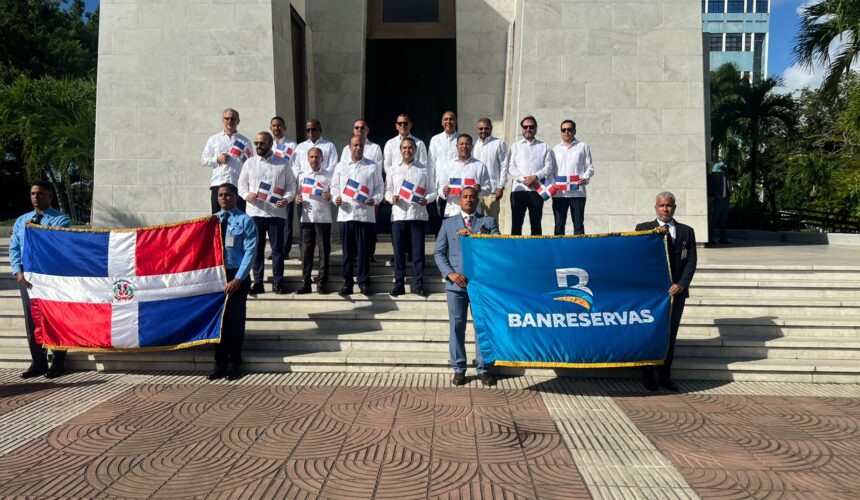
x: 468, y: 221
x: 224, y: 220
x: 38, y: 218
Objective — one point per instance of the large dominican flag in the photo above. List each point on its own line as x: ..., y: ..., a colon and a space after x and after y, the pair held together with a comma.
x: 149, y: 288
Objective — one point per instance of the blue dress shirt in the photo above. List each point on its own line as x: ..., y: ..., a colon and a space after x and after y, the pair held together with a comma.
x: 51, y: 217
x: 239, y: 255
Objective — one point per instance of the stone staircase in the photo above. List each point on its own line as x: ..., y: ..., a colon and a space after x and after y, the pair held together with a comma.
x: 744, y: 321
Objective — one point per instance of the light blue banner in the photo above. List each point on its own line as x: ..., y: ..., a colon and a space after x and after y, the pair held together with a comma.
x: 570, y: 302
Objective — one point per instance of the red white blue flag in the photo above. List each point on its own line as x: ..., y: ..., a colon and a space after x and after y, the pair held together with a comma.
x: 282, y: 150
x: 271, y: 194
x: 312, y: 187
x: 456, y: 184
x: 357, y: 191
x: 411, y: 192
x: 546, y: 190
x: 567, y: 182
x: 240, y: 150
x: 151, y: 288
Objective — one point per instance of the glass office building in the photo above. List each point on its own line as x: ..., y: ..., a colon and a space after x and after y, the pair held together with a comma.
x: 736, y: 31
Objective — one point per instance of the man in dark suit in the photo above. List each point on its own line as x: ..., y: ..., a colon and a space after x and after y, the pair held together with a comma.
x: 682, y: 265
x: 448, y: 258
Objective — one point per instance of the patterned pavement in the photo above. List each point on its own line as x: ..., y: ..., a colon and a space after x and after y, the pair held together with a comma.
x: 405, y: 436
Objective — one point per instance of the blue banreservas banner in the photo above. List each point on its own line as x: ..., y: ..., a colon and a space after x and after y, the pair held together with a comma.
x: 598, y: 301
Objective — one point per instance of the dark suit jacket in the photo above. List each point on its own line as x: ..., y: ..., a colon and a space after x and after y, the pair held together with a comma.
x: 447, y: 253
x: 682, y: 269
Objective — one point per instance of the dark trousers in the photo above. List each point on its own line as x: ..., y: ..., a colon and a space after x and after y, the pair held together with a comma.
x: 400, y: 235
x: 229, y: 350
x: 355, y: 238
x: 435, y: 214
x: 719, y: 219
x: 520, y: 202
x: 213, y: 200
x: 288, y: 229
x: 274, y: 227
x: 38, y: 354
x: 315, y: 236
x: 665, y: 372
x: 576, y: 207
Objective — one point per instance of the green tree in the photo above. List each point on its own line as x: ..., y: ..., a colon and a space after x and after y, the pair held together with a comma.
x: 826, y: 23
x: 54, y: 122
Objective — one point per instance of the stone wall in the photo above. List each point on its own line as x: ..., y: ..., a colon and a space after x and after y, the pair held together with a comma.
x: 630, y: 75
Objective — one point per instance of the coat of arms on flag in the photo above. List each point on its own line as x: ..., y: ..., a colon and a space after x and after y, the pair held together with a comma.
x: 456, y: 184
x: 312, y: 187
x: 567, y: 182
x: 411, y: 192
x: 283, y: 150
x: 546, y: 191
x: 240, y: 150
x: 356, y: 190
x: 151, y: 288
x: 273, y: 195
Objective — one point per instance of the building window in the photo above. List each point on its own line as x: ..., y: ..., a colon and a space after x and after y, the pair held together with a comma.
x: 736, y: 6
x: 715, y: 42
x: 716, y: 6
x: 703, y: 6
x: 750, y: 5
x: 734, y: 42
x: 410, y: 11
x: 761, y: 6
x: 748, y: 37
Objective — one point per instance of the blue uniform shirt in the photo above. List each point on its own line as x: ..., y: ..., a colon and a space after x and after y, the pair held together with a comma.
x: 51, y: 217
x: 243, y: 233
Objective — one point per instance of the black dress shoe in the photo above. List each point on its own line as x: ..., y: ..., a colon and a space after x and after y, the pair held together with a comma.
x: 279, y: 290
x: 668, y: 384
x: 256, y: 289
x: 372, y: 258
x: 365, y: 291
x: 459, y: 379
x: 419, y: 291
x: 34, y: 371
x: 217, y: 373
x: 486, y: 379
x: 650, y: 384
x: 55, y: 371
x: 397, y: 290
x: 345, y: 290
x: 306, y: 288
x: 234, y: 373
x: 322, y: 289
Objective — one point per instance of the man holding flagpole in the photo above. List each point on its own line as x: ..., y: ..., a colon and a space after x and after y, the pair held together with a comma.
x: 41, y: 196
x: 239, y: 239
x: 225, y: 152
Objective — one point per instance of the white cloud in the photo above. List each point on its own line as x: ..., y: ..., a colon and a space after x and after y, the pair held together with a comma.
x: 796, y: 77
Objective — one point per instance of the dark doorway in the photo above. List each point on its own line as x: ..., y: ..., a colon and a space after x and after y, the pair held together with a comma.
x: 300, y: 71
x: 415, y: 76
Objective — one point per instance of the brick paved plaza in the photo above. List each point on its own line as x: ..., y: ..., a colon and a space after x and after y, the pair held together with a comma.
x: 414, y: 436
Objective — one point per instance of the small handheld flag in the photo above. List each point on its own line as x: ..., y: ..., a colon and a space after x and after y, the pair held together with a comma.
x: 546, y: 191
x: 266, y: 193
x: 283, y: 151
x: 312, y: 187
x: 412, y: 193
x: 240, y: 150
x: 456, y: 184
x: 567, y: 183
x: 357, y: 191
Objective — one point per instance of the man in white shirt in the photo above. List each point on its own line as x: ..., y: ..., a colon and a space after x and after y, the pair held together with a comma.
x: 492, y: 152
x: 573, y: 171
x: 268, y: 185
x: 409, y: 188
x: 314, y: 201
x: 529, y: 163
x: 313, y: 130
x: 224, y: 159
x: 284, y: 148
x: 457, y: 174
x: 391, y: 152
x: 372, y: 152
x: 357, y: 188
x: 443, y: 149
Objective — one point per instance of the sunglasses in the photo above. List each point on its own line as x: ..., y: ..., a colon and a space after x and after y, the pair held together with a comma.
x: 360, y: 127
x: 481, y: 129
x: 259, y: 143
x: 402, y: 124
x: 311, y: 129
x: 532, y: 127
x: 566, y: 130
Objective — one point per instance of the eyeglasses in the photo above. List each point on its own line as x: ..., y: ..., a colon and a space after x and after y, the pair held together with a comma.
x: 526, y: 127
x: 402, y: 124
x: 359, y: 127
x: 566, y: 130
x: 259, y: 143
x: 311, y: 129
x: 481, y: 129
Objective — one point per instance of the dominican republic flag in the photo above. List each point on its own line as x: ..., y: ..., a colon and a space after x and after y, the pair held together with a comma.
x: 412, y: 193
x: 312, y: 187
x: 283, y: 150
x: 357, y: 191
x: 546, y: 191
x: 240, y: 150
x: 266, y: 193
x: 567, y: 183
x: 153, y: 288
x: 455, y: 184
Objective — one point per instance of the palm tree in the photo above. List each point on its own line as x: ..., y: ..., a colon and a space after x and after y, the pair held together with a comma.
x: 821, y: 25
